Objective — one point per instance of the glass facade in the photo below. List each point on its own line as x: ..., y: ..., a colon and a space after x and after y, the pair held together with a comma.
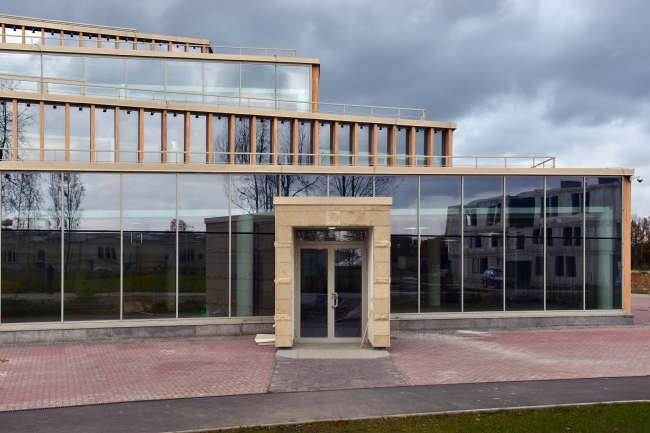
x: 202, y: 245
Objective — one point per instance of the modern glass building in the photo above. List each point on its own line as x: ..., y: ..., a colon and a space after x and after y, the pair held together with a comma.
x: 162, y: 182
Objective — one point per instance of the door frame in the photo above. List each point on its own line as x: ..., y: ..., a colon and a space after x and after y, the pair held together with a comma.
x: 331, y: 246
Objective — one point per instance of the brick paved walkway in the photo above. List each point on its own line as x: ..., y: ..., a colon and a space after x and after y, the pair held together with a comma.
x: 37, y: 377
x: 291, y: 375
x: 523, y: 355
x: 640, y: 307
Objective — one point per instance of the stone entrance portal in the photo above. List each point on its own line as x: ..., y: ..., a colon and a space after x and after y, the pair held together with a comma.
x: 372, y: 253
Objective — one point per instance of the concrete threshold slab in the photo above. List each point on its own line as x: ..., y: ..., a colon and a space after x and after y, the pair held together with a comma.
x: 331, y: 351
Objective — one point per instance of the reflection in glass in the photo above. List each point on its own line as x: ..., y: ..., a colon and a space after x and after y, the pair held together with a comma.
x: 198, y: 138
x: 284, y: 141
x: 331, y: 235
x: 403, y: 274
x: 440, y: 274
x: 345, y: 145
x: 152, y: 126
x: 6, y: 129
x: 108, y: 42
x: 351, y: 186
x: 79, y: 133
x: 483, y: 248
x: 242, y: 140
x: 564, y: 258
x: 293, y: 85
x: 222, y: 79
x: 304, y: 143
x: 91, y: 201
x: 20, y: 64
x: 67, y: 67
x: 54, y: 131
x: 263, y: 140
x: 33, y: 36
x: 403, y: 212
x: 313, y: 292
x: 401, y: 146
x: 420, y: 147
x: 258, y: 84
x: 325, y: 143
x: 175, y: 137
x: 347, y: 286
x: 29, y: 130
x: 220, y: 139
x: 383, y: 134
x: 524, y: 243
x: 304, y: 186
x: 126, y: 44
x: 603, y: 207
x: 363, y: 145
x: 129, y: 135
x: 53, y: 37
x: 105, y: 134
x: 13, y: 35
x: 152, y: 205
x: 440, y: 205
x: 145, y: 74
x: 184, y: 77
x: 70, y: 39
x: 89, y: 41
x: 105, y: 71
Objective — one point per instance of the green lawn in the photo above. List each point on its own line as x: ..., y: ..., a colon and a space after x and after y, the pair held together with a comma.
x: 631, y: 417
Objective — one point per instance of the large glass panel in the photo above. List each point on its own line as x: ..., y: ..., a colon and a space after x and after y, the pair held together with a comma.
x: 203, y: 245
x: 345, y: 144
x: 105, y: 134
x: 258, y: 85
x: 363, y: 140
x: 440, y: 273
x: 20, y: 64
x: 152, y: 125
x: 253, y: 236
x: 383, y: 134
x: 161, y: 46
x: 293, y: 85
x: 33, y: 36
x: 220, y: 139
x: 184, y: 78
x: 149, y: 219
x: 92, y: 246
x: 347, y: 286
x: 483, y: 249
x: 403, y: 212
x: 284, y: 141
x: 325, y: 143
x: 403, y: 274
x: 107, y: 75
x: 129, y: 135
x: 126, y: 44
x: 440, y: 205
x: 420, y: 147
x: 148, y: 75
x: 603, y: 207
x: 263, y: 140
x: 79, y: 133
x: 304, y: 186
x: 222, y: 79
x: 67, y: 67
x: 198, y: 138
x: 313, y: 292
x: 52, y: 37
x: 564, y: 258
x: 351, y: 186
x: 242, y: 140
x: 29, y: 131
x: 6, y: 129
x: 401, y: 146
x: 71, y: 39
x: 54, y: 131
x: 108, y: 42
x: 31, y: 247
x: 304, y: 143
x: 175, y: 137
x: 14, y: 35
x: 524, y: 243
x: 90, y: 41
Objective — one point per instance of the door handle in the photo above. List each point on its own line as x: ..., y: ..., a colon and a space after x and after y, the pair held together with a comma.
x: 335, y: 296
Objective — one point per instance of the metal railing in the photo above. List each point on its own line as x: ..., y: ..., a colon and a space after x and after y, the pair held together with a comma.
x: 65, y: 23
x: 275, y: 158
x: 78, y: 88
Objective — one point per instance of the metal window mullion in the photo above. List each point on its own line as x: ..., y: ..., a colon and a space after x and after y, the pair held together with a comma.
x: 177, y: 224
x: 62, y: 245
x: 328, y: 185
x: 229, y: 246
x: 544, y: 210
x: 121, y: 249
x: 165, y: 92
x: 462, y: 244
x: 418, y: 245
x: 504, y: 214
x: 584, y: 246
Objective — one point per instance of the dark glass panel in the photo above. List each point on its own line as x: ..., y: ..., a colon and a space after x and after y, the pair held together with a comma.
x: 220, y: 139
x: 242, y: 140
x: 6, y: 129
x: 149, y: 202
x: 403, y: 212
x: 129, y: 135
x: 54, y: 131
x: 304, y: 143
x: 403, y: 274
x: 564, y: 276
x: 29, y: 130
x: 440, y: 274
x: 79, y: 133
x: 284, y: 141
x: 604, y: 279
x: 262, y: 140
x: 348, y: 283
x: 313, y: 293
x: 345, y: 144
x: 603, y: 207
x: 325, y: 143
x: 304, y: 186
x: 440, y: 205
x: 331, y: 235
x: 483, y: 273
x: 351, y: 186
x: 198, y: 138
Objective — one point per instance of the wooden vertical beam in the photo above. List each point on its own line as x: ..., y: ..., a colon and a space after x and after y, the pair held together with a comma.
x: 169, y: 48
x: 373, y: 143
x: 81, y: 39
x: 627, y: 247
x: 392, y: 144
x: 14, y: 128
x: 141, y: 136
x: 428, y: 146
x: 354, y: 145
x: 99, y: 40
x: 334, y: 144
x: 23, y: 32
x: 42, y: 129
x: 447, y: 144
x: 42, y: 36
x: 62, y: 37
x: 294, y: 142
x: 92, y: 133
x: 117, y: 42
x: 67, y: 132
x: 153, y: 45
x: 3, y: 34
x: 209, y: 140
x: 231, y: 139
x: 274, y: 140
x: 135, y: 43
x: 314, y: 142
x: 117, y: 134
x: 186, y: 146
x: 411, y: 161
x: 164, y: 136
x: 315, y: 84
x: 253, y: 139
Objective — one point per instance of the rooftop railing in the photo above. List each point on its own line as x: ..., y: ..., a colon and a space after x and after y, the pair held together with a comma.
x: 64, y: 23
x: 51, y: 154
x: 70, y: 87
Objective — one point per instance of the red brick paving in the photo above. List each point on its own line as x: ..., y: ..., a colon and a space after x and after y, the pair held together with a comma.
x: 38, y: 377
x: 640, y: 307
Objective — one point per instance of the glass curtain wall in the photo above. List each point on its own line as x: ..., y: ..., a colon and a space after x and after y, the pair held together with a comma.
x: 105, y: 134
x: 198, y: 138
x: 304, y: 143
x: 363, y: 140
x: 152, y: 145
x: 28, y: 121
x: 175, y: 138
x: 284, y: 141
x: 220, y: 139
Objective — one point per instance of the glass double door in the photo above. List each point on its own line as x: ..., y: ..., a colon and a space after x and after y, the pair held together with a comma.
x: 332, y: 293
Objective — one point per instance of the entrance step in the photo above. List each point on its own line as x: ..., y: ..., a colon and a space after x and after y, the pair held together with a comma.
x: 331, y: 351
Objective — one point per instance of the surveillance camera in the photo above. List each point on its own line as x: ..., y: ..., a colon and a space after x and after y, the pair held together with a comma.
x: 639, y: 179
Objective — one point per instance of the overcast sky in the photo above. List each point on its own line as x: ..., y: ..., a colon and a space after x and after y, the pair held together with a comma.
x: 564, y: 78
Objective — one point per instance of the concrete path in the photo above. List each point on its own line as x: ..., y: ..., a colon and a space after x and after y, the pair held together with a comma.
x: 641, y: 307
x: 250, y: 410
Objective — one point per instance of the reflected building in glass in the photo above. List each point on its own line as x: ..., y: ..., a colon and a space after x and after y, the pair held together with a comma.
x: 139, y: 180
